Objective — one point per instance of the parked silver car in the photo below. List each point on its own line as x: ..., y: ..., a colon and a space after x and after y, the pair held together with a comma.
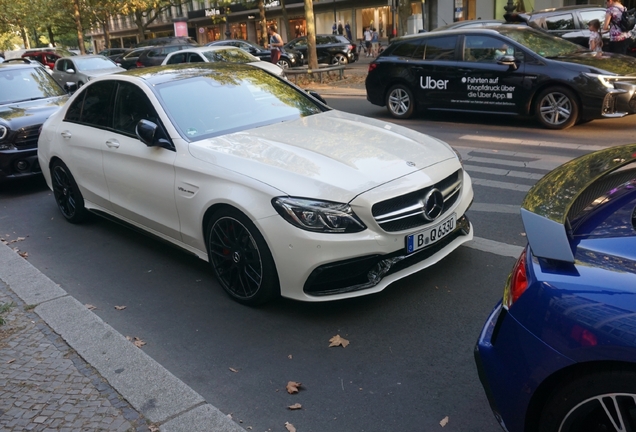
x: 81, y: 69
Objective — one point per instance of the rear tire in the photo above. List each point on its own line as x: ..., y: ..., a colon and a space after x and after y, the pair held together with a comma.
x: 557, y: 108
x: 400, y: 102
x: 240, y: 258
x: 283, y: 64
x: 583, y: 404
x: 67, y: 194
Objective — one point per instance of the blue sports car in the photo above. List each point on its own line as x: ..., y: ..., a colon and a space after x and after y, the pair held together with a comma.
x: 558, y: 353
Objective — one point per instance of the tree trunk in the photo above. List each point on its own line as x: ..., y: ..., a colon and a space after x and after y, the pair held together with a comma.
x: 312, y: 58
x: 262, y: 39
x: 49, y: 29
x: 106, y: 28
x: 403, y: 14
x: 25, y: 38
x: 286, y: 21
x: 78, y: 26
x: 141, y: 30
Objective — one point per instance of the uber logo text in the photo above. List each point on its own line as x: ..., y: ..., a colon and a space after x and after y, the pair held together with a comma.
x: 433, y: 84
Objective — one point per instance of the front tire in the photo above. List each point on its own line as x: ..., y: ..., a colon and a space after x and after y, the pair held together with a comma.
x: 585, y: 404
x: 67, y: 194
x: 240, y: 258
x: 400, y: 102
x: 283, y: 64
x: 557, y: 108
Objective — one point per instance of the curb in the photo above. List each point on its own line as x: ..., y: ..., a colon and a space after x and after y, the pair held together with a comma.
x: 149, y: 388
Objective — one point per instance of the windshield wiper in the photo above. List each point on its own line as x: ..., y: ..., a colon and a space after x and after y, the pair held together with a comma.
x: 26, y: 100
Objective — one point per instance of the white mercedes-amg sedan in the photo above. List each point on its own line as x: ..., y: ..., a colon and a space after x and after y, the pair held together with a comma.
x: 281, y: 194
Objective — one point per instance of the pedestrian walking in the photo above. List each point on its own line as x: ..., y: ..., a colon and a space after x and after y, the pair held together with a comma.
x: 618, y: 39
x: 275, y: 43
x: 367, y: 41
x: 348, y: 30
x: 340, y: 28
x: 375, y: 42
x: 334, y: 28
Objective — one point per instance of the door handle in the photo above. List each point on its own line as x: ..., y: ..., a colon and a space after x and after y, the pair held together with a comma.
x: 65, y: 134
x: 112, y: 143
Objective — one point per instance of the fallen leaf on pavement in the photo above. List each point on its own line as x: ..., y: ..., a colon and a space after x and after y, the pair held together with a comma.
x: 290, y: 427
x: 295, y: 406
x: 120, y: 307
x: 10, y: 361
x: 233, y: 370
x: 90, y: 306
x: 337, y: 340
x: 153, y: 428
x: 292, y: 387
x: 289, y: 356
x: 136, y: 341
x: 444, y: 421
x: 23, y: 254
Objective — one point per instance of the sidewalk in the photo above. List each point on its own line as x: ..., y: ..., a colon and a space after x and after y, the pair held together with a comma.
x: 352, y: 85
x: 64, y: 369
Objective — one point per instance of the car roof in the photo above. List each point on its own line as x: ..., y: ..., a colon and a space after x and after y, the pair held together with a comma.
x: 563, y: 9
x: 218, y: 47
x: 12, y: 65
x: 157, y: 75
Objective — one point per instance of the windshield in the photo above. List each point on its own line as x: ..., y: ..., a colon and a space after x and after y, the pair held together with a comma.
x: 94, y: 63
x: 231, y: 55
x: 23, y: 84
x: 230, y: 100
x: 541, y: 43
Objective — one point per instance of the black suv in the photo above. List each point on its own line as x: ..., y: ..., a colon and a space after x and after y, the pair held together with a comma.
x: 28, y: 96
x: 331, y: 49
x: 569, y: 22
x: 154, y: 56
x: 287, y: 59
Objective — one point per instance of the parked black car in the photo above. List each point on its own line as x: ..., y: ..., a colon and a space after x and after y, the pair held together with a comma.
x: 569, y: 22
x: 154, y: 56
x: 288, y: 59
x: 169, y: 40
x: 28, y: 96
x: 114, y: 53
x: 502, y: 70
x: 331, y: 49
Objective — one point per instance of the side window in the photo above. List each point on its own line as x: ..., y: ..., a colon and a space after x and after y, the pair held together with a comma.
x: 322, y: 40
x: 408, y: 49
x: 560, y: 22
x: 485, y: 49
x: 132, y: 105
x: 194, y: 58
x: 169, y: 49
x: 440, y: 48
x: 587, y: 16
x: 61, y: 65
x: 177, y: 58
x: 153, y: 53
x: 95, y: 107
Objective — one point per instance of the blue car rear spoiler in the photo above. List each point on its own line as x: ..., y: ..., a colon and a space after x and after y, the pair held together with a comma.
x: 546, y: 207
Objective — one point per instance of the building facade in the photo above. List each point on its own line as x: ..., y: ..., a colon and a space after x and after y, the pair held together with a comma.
x: 205, y: 22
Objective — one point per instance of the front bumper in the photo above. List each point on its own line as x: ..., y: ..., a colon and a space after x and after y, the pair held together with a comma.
x: 512, y: 363
x: 18, y: 164
x: 620, y: 101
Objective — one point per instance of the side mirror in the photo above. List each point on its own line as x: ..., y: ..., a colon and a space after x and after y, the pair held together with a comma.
x: 70, y: 71
x: 315, y: 95
x: 508, y: 60
x: 70, y: 87
x: 150, y: 134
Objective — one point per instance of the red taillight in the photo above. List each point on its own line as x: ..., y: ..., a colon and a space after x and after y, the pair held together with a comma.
x: 139, y: 64
x: 517, y: 281
x: 372, y: 66
x: 352, y: 48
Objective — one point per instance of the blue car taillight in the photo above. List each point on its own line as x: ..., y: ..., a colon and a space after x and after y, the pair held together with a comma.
x: 517, y: 282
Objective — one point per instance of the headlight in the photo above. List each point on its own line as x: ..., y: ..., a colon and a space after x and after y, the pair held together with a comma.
x: 318, y: 216
x: 606, y: 80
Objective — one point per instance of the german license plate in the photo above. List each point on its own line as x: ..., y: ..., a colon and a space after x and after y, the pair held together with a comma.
x: 429, y: 236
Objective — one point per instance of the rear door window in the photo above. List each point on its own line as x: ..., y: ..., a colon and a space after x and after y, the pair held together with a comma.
x: 95, y: 107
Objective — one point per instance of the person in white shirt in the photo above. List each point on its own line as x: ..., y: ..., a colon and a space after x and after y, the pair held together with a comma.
x: 368, y: 35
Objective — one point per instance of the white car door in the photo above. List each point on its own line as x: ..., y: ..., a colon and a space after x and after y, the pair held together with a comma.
x: 82, y: 132
x: 141, y: 179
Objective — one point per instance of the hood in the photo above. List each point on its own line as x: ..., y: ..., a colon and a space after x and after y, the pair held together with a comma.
x: 608, y: 63
x: 30, y: 113
x: 332, y: 155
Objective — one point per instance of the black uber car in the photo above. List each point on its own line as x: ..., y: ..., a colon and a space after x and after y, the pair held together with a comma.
x: 330, y: 49
x: 28, y: 96
x: 288, y: 59
x: 504, y: 70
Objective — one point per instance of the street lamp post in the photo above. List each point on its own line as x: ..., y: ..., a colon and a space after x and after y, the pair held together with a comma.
x: 228, y: 33
x: 334, y: 10
x: 423, y: 14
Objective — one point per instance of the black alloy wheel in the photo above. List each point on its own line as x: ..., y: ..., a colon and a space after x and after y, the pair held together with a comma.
x: 67, y: 194
x: 400, y: 102
x: 599, y: 402
x: 557, y: 108
x: 240, y: 258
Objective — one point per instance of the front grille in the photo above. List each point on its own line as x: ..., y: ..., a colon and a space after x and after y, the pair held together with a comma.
x: 27, y: 137
x: 406, y: 211
x: 366, y: 272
